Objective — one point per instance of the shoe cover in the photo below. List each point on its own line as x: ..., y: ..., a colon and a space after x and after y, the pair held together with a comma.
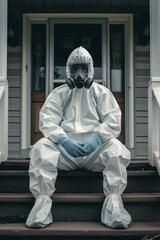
x: 113, y: 213
x: 40, y: 215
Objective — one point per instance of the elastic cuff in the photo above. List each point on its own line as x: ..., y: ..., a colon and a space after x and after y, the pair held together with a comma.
x: 99, y: 139
x: 62, y: 140
x: 42, y: 196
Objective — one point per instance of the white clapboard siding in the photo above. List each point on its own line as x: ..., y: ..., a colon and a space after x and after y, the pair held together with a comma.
x: 14, y: 81
x: 142, y: 81
x: 142, y: 77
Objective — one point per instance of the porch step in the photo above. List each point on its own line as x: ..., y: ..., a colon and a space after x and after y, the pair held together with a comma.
x: 80, y: 181
x: 95, y: 230
x: 24, y: 163
x: 77, y: 204
x: 79, y: 207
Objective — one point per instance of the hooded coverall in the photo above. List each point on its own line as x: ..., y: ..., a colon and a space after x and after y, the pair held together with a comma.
x: 78, y: 113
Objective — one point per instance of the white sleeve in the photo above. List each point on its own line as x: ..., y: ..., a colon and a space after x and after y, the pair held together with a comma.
x: 51, y: 116
x: 110, y: 115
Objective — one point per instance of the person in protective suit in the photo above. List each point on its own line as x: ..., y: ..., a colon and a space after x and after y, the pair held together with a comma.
x: 80, y: 121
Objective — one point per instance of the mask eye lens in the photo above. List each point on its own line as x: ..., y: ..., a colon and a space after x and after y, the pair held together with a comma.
x: 84, y: 68
x: 76, y: 67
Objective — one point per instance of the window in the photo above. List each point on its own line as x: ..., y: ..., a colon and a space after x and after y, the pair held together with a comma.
x: 68, y: 35
x: 38, y: 57
x: 117, y: 56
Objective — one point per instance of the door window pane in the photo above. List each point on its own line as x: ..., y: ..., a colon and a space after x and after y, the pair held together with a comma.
x: 69, y: 36
x: 117, y: 70
x: 117, y: 57
x: 38, y: 57
x: 38, y: 77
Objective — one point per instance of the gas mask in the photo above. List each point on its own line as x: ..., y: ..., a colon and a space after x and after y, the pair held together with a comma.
x: 79, y: 69
x: 79, y: 76
x: 79, y: 73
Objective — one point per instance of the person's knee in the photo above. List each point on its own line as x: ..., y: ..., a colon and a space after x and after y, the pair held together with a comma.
x: 115, y: 149
x: 42, y: 151
x: 119, y: 148
x: 115, y: 142
x: 40, y: 143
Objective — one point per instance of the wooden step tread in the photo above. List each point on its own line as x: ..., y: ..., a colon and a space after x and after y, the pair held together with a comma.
x: 24, y: 163
x: 149, y: 173
x: 80, y: 229
x: 81, y: 197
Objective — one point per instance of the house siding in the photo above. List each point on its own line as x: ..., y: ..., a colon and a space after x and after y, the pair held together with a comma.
x: 14, y: 82
x: 142, y: 77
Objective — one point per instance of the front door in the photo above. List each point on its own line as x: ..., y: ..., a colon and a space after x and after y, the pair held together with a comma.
x: 104, y: 42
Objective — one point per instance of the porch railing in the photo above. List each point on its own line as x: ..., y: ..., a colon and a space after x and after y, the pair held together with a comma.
x: 3, y: 122
x: 154, y: 122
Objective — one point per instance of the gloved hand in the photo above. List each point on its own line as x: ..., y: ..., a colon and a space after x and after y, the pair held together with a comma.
x: 91, y: 143
x: 72, y: 147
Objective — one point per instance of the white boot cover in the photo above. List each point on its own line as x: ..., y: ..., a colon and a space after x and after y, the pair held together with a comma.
x: 40, y: 215
x: 113, y: 214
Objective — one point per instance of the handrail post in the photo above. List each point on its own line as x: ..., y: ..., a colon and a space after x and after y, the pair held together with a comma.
x: 3, y: 82
x: 153, y: 120
x: 159, y: 134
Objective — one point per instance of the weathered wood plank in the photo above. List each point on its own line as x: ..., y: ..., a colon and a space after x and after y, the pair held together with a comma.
x: 80, y: 229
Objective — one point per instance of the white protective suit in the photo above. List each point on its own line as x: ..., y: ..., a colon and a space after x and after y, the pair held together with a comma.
x: 78, y: 113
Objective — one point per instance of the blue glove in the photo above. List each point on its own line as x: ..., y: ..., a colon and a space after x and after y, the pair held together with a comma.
x: 72, y: 147
x: 91, y: 143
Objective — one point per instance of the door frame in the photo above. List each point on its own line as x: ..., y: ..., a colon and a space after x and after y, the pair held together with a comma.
x: 28, y: 19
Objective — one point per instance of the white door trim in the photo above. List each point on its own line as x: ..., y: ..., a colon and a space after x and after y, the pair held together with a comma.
x: 127, y: 19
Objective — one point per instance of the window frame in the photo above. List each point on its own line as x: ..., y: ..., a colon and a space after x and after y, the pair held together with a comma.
x: 77, y: 21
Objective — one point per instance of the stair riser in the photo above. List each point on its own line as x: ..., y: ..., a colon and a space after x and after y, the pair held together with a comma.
x: 18, y: 212
x: 19, y: 184
x: 14, y: 184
